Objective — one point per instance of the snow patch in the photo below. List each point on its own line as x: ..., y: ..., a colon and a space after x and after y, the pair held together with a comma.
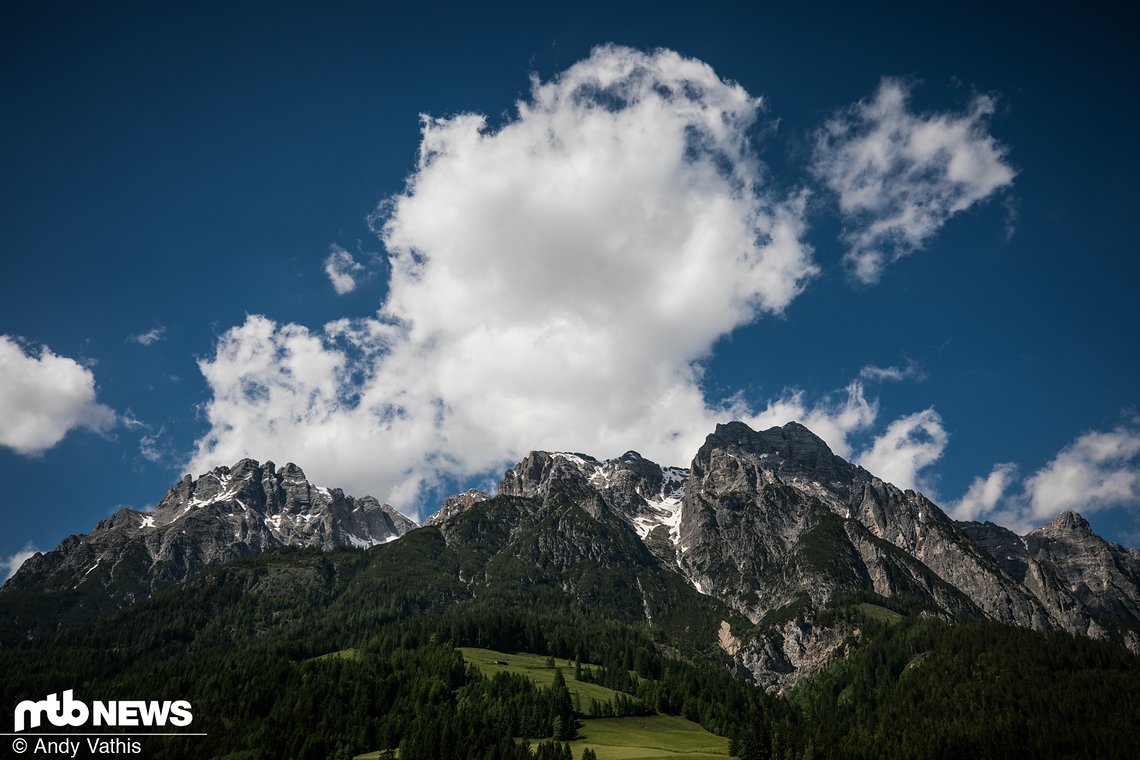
x: 147, y: 522
x: 662, y: 511
x: 582, y: 463
x: 367, y: 543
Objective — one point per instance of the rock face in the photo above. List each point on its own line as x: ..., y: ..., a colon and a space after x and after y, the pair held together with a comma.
x: 642, y: 493
x: 226, y: 514
x: 1086, y: 582
x: 460, y: 502
x: 769, y: 516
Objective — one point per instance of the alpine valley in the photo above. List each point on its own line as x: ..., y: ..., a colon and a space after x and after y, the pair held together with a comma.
x: 770, y: 593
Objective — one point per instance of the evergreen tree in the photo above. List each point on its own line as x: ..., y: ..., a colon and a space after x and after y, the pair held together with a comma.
x: 758, y: 739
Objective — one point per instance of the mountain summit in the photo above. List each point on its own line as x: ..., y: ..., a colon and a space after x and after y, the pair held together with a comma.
x: 223, y: 515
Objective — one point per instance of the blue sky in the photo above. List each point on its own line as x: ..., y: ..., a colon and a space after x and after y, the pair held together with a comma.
x: 178, y: 180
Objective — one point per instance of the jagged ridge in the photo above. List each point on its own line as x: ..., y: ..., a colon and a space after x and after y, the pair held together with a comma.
x: 225, y: 514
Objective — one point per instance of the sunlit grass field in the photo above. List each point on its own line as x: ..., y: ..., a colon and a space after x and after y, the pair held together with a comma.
x: 534, y: 667
x: 657, y: 737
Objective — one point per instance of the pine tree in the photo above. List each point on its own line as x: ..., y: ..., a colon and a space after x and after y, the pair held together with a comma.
x: 758, y: 740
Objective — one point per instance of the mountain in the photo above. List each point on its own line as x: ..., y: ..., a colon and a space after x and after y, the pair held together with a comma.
x: 750, y: 554
x: 225, y: 514
x: 875, y: 625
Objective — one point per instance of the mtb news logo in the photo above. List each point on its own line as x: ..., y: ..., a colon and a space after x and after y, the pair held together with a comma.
x: 74, y: 713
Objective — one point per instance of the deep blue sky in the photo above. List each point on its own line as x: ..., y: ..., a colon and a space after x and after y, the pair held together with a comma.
x: 186, y: 164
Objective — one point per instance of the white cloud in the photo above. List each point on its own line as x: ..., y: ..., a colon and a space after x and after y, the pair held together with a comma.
x: 984, y: 494
x: 149, y: 337
x: 899, y: 176
x: 152, y: 446
x: 132, y: 422
x: 555, y: 282
x: 340, y: 267
x: 9, y: 565
x: 892, y: 374
x: 1096, y: 471
x: 908, y: 445
x: 43, y: 396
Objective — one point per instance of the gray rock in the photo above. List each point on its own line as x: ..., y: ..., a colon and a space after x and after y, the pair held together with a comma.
x: 1088, y: 583
x: 457, y: 504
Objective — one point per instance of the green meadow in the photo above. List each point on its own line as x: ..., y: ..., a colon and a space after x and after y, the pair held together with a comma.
x: 657, y: 737
x: 876, y: 612
x: 534, y: 667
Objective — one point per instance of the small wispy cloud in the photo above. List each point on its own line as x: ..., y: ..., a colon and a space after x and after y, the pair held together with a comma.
x: 10, y: 564
x: 132, y: 422
x: 150, y: 337
x: 912, y: 370
x: 1012, y: 216
x: 899, y: 176
x: 340, y: 266
x: 153, y: 447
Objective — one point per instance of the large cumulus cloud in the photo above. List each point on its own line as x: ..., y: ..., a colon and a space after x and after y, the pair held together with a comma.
x: 555, y: 282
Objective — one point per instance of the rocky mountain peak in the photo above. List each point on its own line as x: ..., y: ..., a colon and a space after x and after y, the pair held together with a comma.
x: 1067, y: 523
x: 641, y: 492
x: 737, y: 458
x: 793, y: 440
x: 456, y: 504
x: 647, y: 474
x: 224, y: 514
x: 541, y: 471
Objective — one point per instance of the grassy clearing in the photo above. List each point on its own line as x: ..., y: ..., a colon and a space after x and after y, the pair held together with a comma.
x: 343, y: 654
x: 534, y: 667
x: 879, y: 613
x: 658, y: 737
